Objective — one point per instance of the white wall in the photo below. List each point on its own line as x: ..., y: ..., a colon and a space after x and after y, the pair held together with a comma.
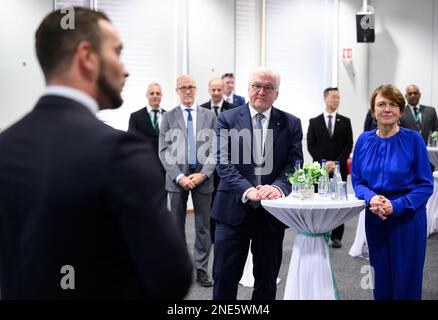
x: 406, y: 39
x: 210, y: 42
x: 352, y: 75
x: 21, y: 80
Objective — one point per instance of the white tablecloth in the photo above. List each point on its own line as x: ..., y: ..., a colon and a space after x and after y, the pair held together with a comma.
x: 310, y: 276
x: 360, y: 245
x: 247, y: 279
x: 432, y: 207
x: 433, y: 155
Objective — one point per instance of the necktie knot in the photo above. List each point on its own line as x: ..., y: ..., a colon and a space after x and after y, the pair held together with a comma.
x: 155, y: 121
x: 416, y: 112
x: 259, y: 117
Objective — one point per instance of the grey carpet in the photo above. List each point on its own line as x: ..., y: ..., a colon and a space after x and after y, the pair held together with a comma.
x: 347, y: 269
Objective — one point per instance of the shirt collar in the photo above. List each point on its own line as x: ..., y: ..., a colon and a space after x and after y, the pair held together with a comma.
x: 193, y: 107
x: 253, y: 112
x: 412, y: 107
x: 74, y: 94
x: 326, y: 114
x: 150, y: 108
x: 218, y: 104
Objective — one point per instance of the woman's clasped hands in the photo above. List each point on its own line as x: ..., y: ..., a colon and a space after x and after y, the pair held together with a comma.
x: 381, y: 206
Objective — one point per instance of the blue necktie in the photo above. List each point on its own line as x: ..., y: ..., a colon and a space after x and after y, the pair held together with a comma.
x: 192, y: 140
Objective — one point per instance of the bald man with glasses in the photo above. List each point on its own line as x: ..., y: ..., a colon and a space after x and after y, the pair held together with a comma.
x: 189, y: 173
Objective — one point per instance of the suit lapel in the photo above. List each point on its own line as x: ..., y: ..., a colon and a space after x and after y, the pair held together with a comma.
x: 245, y: 122
x: 322, y: 126
x: 200, y: 120
x: 275, y: 124
x: 337, y: 125
x: 179, y: 117
x: 409, y: 117
x: 148, y: 121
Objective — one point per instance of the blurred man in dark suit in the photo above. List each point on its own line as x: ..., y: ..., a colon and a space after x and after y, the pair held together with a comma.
x: 81, y: 215
x: 218, y: 105
x: 229, y: 94
x: 330, y: 137
x: 418, y: 117
x: 370, y: 123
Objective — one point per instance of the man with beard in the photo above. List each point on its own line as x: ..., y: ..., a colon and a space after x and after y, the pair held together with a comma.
x: 81, y: 215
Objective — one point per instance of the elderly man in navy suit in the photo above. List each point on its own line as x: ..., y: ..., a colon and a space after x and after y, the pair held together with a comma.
x: 251, y: 170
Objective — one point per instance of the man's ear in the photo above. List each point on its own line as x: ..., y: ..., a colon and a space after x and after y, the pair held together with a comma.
x: 87, y: 59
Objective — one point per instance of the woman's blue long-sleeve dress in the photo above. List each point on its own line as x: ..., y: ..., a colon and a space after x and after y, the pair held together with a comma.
x: 397, y: 168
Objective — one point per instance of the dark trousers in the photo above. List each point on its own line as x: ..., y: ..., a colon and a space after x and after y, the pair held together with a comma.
x: 231, y: 251
x: 337, y: 233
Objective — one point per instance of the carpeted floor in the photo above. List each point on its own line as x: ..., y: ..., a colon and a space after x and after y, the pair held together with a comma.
x: 347, y: 269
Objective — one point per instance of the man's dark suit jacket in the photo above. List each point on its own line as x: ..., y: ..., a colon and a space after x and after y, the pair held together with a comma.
x: 429, y: 121
x: 339, y: 147
x: 140, y: 121
x: 238, y: 100
x: 370, y: 123
x: 76, y: 192
x: 237, y: 178
x: 225, y: 106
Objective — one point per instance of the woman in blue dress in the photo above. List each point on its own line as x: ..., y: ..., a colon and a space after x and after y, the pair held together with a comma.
x: 391, y: 172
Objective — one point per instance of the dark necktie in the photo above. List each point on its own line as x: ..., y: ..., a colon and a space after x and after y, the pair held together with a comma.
x: 330, y: 125
x: 417, y: 119
x: 192, y: 141
x: 155, y: 121
x: 258, y: 137
x: 216, y: 110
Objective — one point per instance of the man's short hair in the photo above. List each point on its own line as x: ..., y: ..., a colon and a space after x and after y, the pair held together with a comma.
x: 55, y: 45
x: 270, y: 72
x: 153, y: 84
x: 227, y: 75
x: 327, y: 90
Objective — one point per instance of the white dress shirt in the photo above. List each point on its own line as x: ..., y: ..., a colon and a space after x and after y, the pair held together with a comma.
x: 216, y: 104
x: 229, y: 98
x: 185, y: 116
x: 73, y: 94
x: 152, y: 114
x: 326, y: 118
x: 413, y: 112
